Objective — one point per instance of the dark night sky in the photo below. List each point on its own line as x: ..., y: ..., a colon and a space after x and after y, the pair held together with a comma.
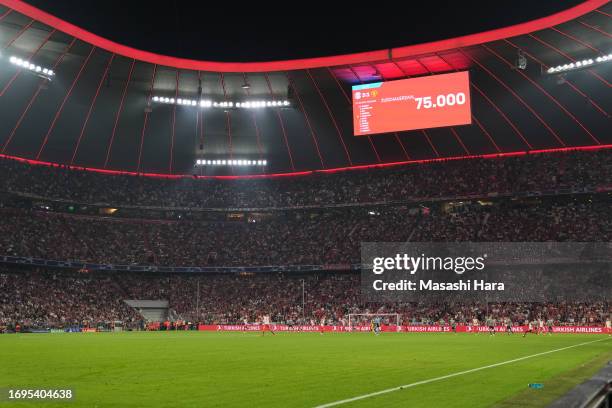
x: 256, y: 32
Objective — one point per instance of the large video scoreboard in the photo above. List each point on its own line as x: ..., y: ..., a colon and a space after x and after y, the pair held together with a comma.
x: 413, y: 103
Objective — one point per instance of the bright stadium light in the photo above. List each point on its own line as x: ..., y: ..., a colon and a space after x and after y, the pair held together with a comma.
x: 222, y: 104
x: 585, y: 63
x: 230, y: 162
x: 37, y: 69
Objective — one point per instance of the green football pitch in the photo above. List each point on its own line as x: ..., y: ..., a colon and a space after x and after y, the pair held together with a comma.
x: 210, y: 369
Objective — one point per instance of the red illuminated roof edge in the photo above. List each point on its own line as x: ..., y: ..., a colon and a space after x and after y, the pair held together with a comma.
x: 346, y: 59
x: 308, y: 172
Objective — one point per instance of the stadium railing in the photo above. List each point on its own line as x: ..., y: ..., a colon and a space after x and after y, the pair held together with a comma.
x: 593, y: 393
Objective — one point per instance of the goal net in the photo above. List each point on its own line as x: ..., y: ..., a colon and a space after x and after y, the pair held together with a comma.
x: 357, y: 319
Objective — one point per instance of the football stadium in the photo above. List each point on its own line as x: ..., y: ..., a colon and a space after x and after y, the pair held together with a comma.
x: 425, y: 222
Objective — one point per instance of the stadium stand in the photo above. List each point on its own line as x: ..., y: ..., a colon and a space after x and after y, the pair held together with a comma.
x: 321, y: 236
x: 296, y: 239
x: 60, y: 298
x: 584, y: 170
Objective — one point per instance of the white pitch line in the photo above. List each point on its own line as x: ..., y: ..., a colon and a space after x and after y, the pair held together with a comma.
x: 444, y: 377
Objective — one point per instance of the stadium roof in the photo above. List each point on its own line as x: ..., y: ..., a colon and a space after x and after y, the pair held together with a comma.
x: 97, y: 111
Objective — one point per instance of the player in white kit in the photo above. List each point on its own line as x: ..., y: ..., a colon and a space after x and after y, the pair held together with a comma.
x: 266, y: 325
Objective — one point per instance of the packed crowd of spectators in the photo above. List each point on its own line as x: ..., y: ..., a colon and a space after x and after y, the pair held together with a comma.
x: 507, y: 175
x: 302, y: 239
x: 322, y: 237
x: 45, y: 298
x: 63, y: 299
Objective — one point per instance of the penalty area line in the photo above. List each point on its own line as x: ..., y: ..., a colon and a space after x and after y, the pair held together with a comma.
x: 444, y: 377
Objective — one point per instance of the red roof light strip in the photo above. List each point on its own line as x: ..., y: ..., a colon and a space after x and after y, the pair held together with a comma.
x: 356, y: 58
x: 309, y: 172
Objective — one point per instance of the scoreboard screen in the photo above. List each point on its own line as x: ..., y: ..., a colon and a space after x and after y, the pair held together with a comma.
x: 413, y: 103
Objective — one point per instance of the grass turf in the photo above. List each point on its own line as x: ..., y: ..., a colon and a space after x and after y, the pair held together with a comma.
x: 196, y: 369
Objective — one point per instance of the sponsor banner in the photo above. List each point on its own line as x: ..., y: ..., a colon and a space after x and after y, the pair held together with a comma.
x: 582, y: 330
x: 485, y: 329
x: 73, y: 330
x: 403, y: 329
x: 426, y: 329
x: 273, y: 327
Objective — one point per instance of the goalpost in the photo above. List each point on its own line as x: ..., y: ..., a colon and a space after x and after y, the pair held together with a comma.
x: 370, y: 316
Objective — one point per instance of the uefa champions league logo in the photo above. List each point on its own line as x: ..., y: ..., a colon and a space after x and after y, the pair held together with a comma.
x: 357, y: 95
